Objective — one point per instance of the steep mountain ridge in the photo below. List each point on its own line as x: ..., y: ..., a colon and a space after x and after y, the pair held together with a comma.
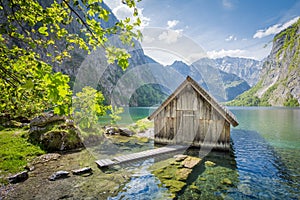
x: 247, y: 69
x: 279, y: 84
x: 84, y: 67
x: 222, y: 85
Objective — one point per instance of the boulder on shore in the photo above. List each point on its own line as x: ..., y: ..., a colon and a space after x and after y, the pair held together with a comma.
x: 119, y: 131
x: 86, y: 170
x: 53, y: 132
x: 59, y: 175
x: 19, y: 177
x: 126, y: 132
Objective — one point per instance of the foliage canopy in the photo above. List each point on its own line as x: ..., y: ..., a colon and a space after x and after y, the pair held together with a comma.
x: 29, y: 27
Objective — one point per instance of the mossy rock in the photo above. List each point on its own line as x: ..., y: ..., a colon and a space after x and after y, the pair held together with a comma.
x: 167, y: 176
x: 143, y: 139
x: 209, y: 163
x: 61, y: 140
x: 226, y: 181
x: 167, y: 172
x: 174, y: 185
x: 54, y: 133
x: 190, y: 162
x: 174, y: 174
x: 194, y: 188
x: 123, y: 139
x: 180, y: 157
x: 183, y: 174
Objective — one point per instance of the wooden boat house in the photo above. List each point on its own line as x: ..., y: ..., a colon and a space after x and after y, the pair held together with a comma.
x: 192, y: 116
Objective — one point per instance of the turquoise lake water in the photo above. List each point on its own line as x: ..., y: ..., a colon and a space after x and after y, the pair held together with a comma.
x: 264, y: 162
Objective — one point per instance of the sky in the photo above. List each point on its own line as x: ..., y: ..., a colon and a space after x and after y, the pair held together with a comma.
x: 237, y: 28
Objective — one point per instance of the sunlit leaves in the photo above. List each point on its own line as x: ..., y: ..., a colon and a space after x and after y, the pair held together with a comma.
x: 115, y: 114
x: 88, y: 106
x: 27, y: 83
x: 121, y: 55
x: 43, y: 30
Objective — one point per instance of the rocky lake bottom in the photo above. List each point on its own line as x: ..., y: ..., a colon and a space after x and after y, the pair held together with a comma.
x: 263, y: 164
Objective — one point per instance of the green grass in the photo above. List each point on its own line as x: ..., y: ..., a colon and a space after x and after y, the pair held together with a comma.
x: 141, y: 125
x: 290, y: 36
x: 247, y: 98
x: 15, y: 152
x: 291, y: 102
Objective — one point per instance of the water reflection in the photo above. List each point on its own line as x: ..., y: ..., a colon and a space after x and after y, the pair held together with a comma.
x: 262, y: 173
x: 280, y: 126
x: 211, y: 182
x: 205, y: 181
x: 264, y: 164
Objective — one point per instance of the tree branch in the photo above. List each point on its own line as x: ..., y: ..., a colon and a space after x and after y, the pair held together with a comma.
x: 80, y: 18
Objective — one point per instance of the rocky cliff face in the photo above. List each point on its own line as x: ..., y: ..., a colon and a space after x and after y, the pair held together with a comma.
x: 279, y: 84
x: 222, y: 85
x: 145, y: 94
x: 247, y: 69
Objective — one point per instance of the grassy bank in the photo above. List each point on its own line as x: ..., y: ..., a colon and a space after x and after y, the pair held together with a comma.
x: 15, y: 152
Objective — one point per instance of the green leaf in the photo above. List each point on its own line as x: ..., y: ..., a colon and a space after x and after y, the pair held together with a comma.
x: 43, y: 30
x: 28, y: 85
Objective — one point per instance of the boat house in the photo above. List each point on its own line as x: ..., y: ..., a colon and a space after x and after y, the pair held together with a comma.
x: 191, y: 116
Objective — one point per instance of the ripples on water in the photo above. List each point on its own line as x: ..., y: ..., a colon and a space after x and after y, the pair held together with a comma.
x: 143, y: 185
x: 262, y: 173
x: 266, y: 158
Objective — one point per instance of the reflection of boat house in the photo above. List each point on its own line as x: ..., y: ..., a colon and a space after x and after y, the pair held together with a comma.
x: 191, y: 116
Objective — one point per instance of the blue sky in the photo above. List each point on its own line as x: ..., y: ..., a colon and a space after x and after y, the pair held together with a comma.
x: 240, y: 28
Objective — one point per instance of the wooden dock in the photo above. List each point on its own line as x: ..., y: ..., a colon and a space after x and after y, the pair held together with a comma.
x: 140, y: 155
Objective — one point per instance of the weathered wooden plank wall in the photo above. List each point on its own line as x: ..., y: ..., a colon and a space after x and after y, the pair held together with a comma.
x: 190, y: 119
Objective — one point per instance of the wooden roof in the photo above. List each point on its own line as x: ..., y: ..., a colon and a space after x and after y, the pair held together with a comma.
x: 219, y: 108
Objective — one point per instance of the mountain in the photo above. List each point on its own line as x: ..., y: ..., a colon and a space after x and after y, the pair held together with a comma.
x: 279, y: 83
x: 145, y: 82
x: 186, y: 70
x: 222, y: 85
x: 247, y: 69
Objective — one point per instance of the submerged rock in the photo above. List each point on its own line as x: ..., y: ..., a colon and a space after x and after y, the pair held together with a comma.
x: 19, y: 177
x: 190, y: 162
x: 174, y: 185
x: 59, y: 175
x: 183, y: 174
x: 126, y: 132
x: 118, y: 131
x: 111, y: 130
x: 194, y: 188
x: 180, y: 157
x: 174, y: 174
x: 209, y: 163
x: 227, y: 181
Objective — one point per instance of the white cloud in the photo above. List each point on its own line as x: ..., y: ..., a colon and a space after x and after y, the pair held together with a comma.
x: 223, y: 53
x: 147, y: 39
x: 227, y: 4
x: 170, y: 36
x: 231, y: 38
x: 172, y: 23
x: 121, y: 11
x: 163, y: 57
x: 274, y: 29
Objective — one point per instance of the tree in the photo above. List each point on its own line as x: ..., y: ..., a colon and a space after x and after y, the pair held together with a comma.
x: 28, y: 84
x: 88, y: 106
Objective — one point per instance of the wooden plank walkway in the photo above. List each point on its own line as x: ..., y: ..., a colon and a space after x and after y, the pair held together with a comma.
x: 139, y: 155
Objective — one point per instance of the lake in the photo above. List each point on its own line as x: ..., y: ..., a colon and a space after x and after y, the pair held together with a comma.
x: 264, y: 162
